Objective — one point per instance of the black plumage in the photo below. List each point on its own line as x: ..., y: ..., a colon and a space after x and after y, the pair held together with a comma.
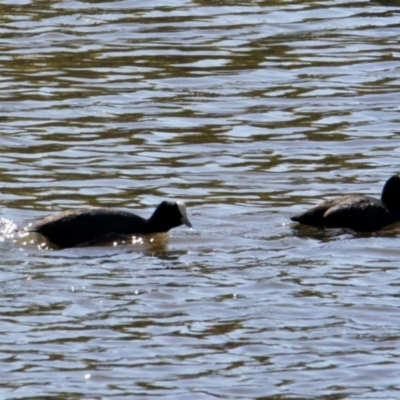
x: 360, y: 213
x: 87, y: 226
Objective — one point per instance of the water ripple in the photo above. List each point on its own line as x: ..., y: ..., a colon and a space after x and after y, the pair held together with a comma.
x: 249, y: 113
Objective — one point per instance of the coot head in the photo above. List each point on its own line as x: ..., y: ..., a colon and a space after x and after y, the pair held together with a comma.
x: 391, y: 194
x: 168, y: 215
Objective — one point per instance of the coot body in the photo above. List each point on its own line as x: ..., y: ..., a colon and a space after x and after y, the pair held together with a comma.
x: 360, y: 213
x: 86, y: 226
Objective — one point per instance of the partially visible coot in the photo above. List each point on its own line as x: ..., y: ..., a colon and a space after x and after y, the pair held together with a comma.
x: 86, y: 226
x: 361, y: 213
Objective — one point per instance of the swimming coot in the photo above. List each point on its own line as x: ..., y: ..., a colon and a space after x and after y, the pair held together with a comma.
x: 86, y: 226
x: 361, y: 213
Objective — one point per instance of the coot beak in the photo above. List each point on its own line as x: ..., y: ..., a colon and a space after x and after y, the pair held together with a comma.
x: 185, y: 220
x: 182, y: 210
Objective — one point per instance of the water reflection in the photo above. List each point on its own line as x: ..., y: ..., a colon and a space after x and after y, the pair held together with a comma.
x: 244, y: 111
x: 388, y: 2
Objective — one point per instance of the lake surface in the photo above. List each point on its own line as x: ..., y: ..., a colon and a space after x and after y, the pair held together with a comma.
x: 249, y: 112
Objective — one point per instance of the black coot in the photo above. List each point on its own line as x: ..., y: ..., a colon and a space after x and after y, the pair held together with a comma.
x: 86, y: 226
x: 361, y: 213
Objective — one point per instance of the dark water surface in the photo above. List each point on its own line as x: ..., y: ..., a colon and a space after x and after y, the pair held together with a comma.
x: 247, y: 111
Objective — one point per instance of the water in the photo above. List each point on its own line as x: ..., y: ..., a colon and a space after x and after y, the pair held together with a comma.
x: 249, y: 112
